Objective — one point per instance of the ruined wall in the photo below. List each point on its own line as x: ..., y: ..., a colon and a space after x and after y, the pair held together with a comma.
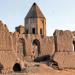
x: 46, y: 45
x: 8, y: 51
x: 65, y: 60
x: 18, y: 46
x: 5, y: 39
x: 7, y: 59
x: 20, y: 29
x: 64, y: 49
x: 63, y: 41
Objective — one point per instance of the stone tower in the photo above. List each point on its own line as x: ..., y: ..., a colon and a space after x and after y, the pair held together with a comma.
x: 35, y: 22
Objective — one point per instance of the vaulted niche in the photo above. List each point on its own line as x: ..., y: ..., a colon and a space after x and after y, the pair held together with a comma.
x: 36, y: 44
x: 21, y: 47
x: 17, y: 67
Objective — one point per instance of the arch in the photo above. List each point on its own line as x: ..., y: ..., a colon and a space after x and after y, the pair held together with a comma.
x: 74, y: 46
x: 36, y: 43
x: 17, y: 67
x: 1, y: 68
x: 21, y: 46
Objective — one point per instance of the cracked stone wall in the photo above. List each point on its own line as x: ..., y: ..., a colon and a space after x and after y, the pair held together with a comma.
x: 63, y: 40
x: 11, y: 52
x: 64, y: 49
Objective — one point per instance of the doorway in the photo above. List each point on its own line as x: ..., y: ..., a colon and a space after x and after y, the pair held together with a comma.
x: 17, y: 68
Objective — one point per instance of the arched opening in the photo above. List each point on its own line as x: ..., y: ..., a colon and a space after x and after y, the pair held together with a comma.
x: 17, y: 68
x: 21, y: 47
x: 36, y: 45
x: 33, y: 30
x: 74, y: 46
x: 1, y: 68
x: 40, y: 30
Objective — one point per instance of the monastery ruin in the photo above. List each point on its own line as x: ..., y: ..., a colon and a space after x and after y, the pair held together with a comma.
x: 30, y: 41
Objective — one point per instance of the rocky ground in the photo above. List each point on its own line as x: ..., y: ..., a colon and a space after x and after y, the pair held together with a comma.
x: 43, y: 69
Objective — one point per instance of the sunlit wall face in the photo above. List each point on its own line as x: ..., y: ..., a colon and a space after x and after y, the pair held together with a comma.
x: 60, y: 14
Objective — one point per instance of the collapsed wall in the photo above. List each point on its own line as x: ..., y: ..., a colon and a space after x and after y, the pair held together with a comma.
x: 63, y: 41
x: 36, y: 45
x: 8, y: 54
x: 18, y: 46
x: 64, y: 51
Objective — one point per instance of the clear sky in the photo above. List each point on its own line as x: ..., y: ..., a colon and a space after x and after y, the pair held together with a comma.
x: 60, y: 14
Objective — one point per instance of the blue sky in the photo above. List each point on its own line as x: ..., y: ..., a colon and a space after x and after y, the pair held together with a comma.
x: 60, y: 14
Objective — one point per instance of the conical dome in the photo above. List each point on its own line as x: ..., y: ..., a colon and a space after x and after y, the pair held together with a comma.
x: 35, y: 12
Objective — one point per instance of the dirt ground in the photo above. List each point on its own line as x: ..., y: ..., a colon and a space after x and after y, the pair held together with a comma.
x: 43, y: 69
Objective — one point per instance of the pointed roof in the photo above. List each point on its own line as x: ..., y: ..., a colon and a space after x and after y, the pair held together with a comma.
x: 35, y: 12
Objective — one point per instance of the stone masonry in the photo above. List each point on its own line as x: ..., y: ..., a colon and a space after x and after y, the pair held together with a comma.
x: 30, y: 41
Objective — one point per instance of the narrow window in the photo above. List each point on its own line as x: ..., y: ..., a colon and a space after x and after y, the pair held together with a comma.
x: 40, y: 31
x: 27, y: 31
x: 33, y: 30
x: 74, y: 46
